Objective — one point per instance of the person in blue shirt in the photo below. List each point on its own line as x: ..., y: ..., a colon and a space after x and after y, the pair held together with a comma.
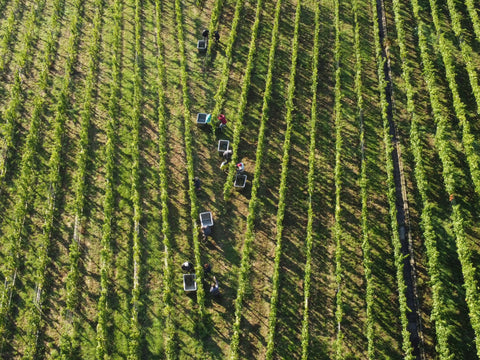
x: 206, y: 232
x: 214, y: 289
x: 197, y: 183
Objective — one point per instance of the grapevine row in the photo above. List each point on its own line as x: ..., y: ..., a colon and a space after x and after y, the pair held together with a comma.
x: 470, y: 144
x: 222, y: 87
x: 3, y: 4
x: 450, y: 176
x: 439, y: 294
x: 472, y: 11
x: 253, y: 204
x: 217, y: 9
x: 15, y: 15
x: 27, y: 41
x: 311, y: 187
x: 73, y: 276
x: 466, y: 50
x: 391, y: 192
x: 34, y: 314
x: 9, y: 127
x: 135, y: 335
x: 15, y: 239
x: 168, y: 296
x: 189, y: 156
x: 442, y: 328
x: 12, y: 112
x: 338, y: 185
x: 101, y: 350
x: 238, y: 116
x: 366, y: 248
x: 272, y: 318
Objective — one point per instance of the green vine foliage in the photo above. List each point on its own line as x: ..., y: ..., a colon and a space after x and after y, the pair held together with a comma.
x: 253, y: 204
x: 214, y: 17
x: 222, y: 87
x: 272, y: 318
x: 15, y: 15
x: 473, y: 13
x: 24, y: 190
x: 311, y: 189
x: 73, y: 277
x: 101, y: 351
x: 239, y: 114
x: 445, y: 48
x: 168, y: 295
x: 190, y: 169
x: 34, y: 315
x: 391, y: 194
x: 364, y: 174
x: 450, y: 177
x: 136, y: 301
x: 337, y: 230
x: 429, y: 232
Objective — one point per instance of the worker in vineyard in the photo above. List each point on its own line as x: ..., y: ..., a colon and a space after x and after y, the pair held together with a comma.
x: 207, y: 269
x: 205, y: 34
x: 216, y: 36
x: 187, y: 266
x: 214, y: 289
x: 206, y: 232
x: 240, y: 167
x: 227, y: 156
x: 223, y: 121
x: 197, y: 183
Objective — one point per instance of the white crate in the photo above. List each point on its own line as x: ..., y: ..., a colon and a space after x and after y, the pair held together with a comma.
x: 240, y: 181
x: 189, y: 282
x: 206, y: 219
x: 202, y: 45
x: 203, y: 118
x: 223, y: 145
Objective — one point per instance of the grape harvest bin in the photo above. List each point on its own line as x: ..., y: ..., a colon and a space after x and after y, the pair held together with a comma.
x: 240, y: 181
x: 202, y: 45
x: 203, y: 118
x: 206, y: 219
x: 223, y: 145
x: 189, y: 282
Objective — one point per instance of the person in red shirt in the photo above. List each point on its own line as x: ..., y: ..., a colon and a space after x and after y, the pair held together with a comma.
x: 240, y: 168
x: 223, y: 121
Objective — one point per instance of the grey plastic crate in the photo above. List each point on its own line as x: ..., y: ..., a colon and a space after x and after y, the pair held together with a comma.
x: 189, y: 282
x: 206, y: 219
x: 223, y: 145
x: 203, y: 118
x: 240, y: 181
x: 202, y: 45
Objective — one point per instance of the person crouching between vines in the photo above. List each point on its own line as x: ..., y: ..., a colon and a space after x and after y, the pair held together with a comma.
x: 206, y: 232
x: 214, y: 289
x: 227, y: 156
